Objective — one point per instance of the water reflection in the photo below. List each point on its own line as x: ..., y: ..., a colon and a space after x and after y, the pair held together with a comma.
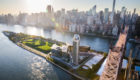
x: 34, y: 31
x: 42, y: 32
x: 40, y: 70
x: 18, y: 28
x: 37, y: 67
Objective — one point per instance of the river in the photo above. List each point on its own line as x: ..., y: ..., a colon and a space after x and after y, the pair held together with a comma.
x: 19, y: 64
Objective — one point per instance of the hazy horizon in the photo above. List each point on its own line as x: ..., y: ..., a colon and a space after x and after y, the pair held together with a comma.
x: 36, y: 6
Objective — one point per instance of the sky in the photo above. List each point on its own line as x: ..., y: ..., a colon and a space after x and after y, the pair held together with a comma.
x: 36, y: 6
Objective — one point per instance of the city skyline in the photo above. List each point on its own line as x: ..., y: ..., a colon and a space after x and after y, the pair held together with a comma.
x: 70, y: 39
x: 36, y: 6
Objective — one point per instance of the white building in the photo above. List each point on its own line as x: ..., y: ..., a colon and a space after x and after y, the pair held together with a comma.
x: 75, y: 53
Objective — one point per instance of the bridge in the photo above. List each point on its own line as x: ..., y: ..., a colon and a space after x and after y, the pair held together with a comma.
x: 114, y: 59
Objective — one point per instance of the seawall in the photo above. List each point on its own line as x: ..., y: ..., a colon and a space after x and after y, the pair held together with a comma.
x: 45, y: 56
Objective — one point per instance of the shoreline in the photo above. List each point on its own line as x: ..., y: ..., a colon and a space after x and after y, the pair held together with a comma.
x: 43, y: 55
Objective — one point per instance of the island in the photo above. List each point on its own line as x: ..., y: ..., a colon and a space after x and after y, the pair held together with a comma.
x: 80, y: 61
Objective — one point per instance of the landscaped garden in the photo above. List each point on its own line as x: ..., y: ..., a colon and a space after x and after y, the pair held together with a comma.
x: 41, y: 45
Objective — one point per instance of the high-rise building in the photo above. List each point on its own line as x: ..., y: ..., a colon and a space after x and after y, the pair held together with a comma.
x: 113, y: 12
x: 106, y: 15
x: 113, y: 8
x: 94, y: 10
x: 61, y: 18
x: 111, y: 17
x: 90, y: 20
x: 75, y: 53
x: 63, y: 11
x: 123, y: 12
x: 115, y: 31
x: 49, y: 9
x: 134, y: 16
x: 101, y: 17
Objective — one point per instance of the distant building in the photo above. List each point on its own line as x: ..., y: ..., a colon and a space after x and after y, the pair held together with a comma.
x: 21, y: 19
x: 113, y: 7
x: 123, y: 12
x: 94, y: 10
x: 115, y: 31
x: 113, y: 12
x: 75, y: 53
x: 101, y: 16
x: 90, y: 20
x: 134, y: 16
x: 72, y: 27
x: 117, y: 19
x: 111, y: 17
x: 106, y: 15
x: 49, y: 9
x: 61, y: 18
x: 82, y: 28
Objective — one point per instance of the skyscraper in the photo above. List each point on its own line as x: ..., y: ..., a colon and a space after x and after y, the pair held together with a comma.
x: 76, y: 43
x: 101, y: 17
x: 94, y: 10
x: 106, y: 15
x: 113, y: 8
x: 112, y: 14
x: 123, y: 12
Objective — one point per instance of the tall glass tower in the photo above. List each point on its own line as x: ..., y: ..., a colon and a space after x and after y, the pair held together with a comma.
x: 75, y: 53
x: 112, y: 14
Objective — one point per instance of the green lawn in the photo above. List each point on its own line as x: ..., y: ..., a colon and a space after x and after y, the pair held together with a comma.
x: 30, y: 40
x: 37, y: 42
x: 39, y: 45
x: 45, y: 47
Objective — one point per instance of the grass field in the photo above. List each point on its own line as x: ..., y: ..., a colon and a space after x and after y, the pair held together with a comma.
x: 38, y: 44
